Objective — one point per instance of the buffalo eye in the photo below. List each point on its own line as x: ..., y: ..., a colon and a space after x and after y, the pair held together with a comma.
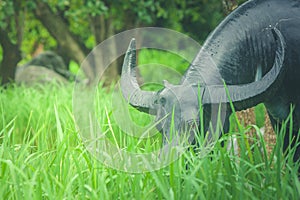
x: 162, y: 100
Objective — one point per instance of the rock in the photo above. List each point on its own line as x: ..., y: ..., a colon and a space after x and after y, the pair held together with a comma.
x: 45, y: 68
x: 31, y: 75
x: 52, y: 68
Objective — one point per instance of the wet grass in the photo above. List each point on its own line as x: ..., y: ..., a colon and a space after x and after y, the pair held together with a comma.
x: 42, y: 157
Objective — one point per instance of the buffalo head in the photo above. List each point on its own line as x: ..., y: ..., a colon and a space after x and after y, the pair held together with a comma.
x: 177, y: 107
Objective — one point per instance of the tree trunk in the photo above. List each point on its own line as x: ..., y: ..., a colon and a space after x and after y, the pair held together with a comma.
x: 68, y: 42
x: 103, y: 29
x: 11, y: 57
x: 229, y: 5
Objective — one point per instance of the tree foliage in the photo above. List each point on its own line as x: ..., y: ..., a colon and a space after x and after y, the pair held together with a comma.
x: 72, y: 28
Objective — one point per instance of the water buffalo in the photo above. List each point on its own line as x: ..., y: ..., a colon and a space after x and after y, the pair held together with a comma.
x: 254, y: 51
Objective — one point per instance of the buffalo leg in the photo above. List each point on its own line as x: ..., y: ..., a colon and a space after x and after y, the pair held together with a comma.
x: 289, y: 140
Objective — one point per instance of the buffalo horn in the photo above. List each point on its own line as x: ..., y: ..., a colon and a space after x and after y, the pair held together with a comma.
x: 142, y: 100
x: 248, y: 95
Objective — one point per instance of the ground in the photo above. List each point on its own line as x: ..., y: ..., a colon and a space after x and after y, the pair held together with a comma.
x: 247, y: 117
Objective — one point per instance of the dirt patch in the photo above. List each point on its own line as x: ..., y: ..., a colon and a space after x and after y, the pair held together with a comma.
x: 247, y: 117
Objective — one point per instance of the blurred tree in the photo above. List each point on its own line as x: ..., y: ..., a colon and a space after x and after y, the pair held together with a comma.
x: 72, y: 28
x: 11, y: 36
x: 78, y: 26
x: 70, y: 46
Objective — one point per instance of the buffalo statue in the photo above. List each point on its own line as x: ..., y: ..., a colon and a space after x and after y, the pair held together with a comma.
x: 44, y: 68
x: 256, y: 52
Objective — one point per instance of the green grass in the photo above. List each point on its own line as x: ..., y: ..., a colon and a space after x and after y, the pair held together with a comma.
x: 42, y: 157
x: 156, y: 65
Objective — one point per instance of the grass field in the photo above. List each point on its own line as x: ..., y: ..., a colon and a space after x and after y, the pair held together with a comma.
x: 42, y: 157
